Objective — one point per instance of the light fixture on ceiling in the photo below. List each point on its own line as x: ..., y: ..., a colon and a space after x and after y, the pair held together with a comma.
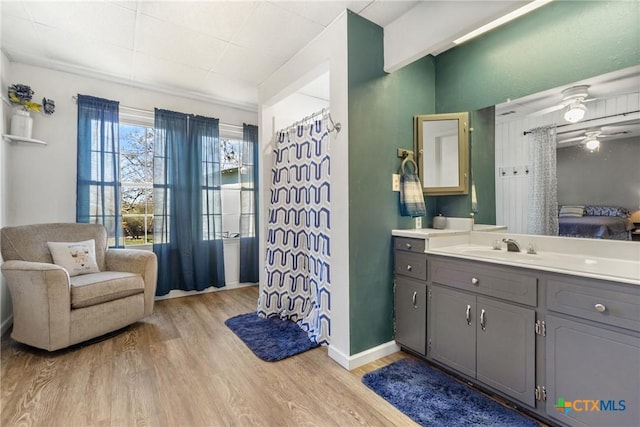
x: 592, y: 144
x: 575, y: 111
x: 502, y: 20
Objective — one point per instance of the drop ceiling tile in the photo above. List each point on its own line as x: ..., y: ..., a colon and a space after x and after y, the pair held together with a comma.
x: 96, y: 20
x: 76, y: 51
x: 276, y: 31
x: 160, y: 72
x: 20, y: 36
x: 246, y: 64
x: 13, y: 9
x: 230, y: 90
x: 220, y: 19
x: 177, y: 44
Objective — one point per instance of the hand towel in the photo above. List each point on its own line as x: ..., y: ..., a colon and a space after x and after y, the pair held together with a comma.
x: 411, y: 197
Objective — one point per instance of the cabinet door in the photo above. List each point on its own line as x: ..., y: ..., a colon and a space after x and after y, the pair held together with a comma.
x: 589, y: 363
x: 411, y: 314
x: 452, y: 329
x: 506, y: 348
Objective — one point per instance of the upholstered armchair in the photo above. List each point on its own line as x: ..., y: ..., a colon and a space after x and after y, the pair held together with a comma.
x: 53, y: 310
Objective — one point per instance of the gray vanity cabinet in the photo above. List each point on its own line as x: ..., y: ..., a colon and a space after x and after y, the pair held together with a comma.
x: 410, y: 299
x: 411, y: 314
x: 593, y: 352
x: 452, y: 331
x: 484, y: 338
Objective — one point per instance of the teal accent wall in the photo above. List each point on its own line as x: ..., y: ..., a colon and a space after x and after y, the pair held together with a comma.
x: 560, y: 43
x: 381, y: 110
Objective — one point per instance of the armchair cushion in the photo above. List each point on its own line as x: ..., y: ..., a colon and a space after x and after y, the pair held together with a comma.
x: 75, y: 257
x: 97, y: 288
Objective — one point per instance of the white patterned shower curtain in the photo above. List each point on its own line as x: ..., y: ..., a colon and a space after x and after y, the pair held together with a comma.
x: 299, y: 227
x: 543, y: 191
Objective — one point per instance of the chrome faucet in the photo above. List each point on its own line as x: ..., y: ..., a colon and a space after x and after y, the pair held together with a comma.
x: 512, y: 245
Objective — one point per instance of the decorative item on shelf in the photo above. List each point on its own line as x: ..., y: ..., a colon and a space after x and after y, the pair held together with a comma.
x: 21, y: 121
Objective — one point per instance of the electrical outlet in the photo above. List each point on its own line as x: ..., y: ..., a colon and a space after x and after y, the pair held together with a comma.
x: 395, y: 182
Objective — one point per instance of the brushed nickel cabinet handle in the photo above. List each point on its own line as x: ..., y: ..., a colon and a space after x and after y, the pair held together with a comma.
x: 408, y: 245
x: 600, y: 308
x: 474, y: 281
x: 415, y: 294
x: 468, y: 315
x: 409, y: 267
x: 483, y: 323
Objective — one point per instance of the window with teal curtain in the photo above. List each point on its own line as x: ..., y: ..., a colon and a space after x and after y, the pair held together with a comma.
x: 248, y: 202
x: 187, y: 231
x: 98, y: 187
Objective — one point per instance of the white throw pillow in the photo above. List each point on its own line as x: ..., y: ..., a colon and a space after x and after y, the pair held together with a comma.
x: 571, y: 211
x: 76, y: 257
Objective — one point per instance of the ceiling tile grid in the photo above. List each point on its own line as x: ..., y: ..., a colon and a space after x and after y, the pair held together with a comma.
x: 219, y: 49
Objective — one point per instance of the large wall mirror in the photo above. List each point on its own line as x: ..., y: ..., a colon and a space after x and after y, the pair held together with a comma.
x: 442, y: 147
x: 596, y: 155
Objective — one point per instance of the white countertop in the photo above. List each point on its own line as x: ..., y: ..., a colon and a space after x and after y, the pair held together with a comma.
x: 619, y: 270
x: 425, y: 233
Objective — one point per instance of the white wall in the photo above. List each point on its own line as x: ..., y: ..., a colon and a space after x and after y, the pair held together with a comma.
x: 38, y: 183
x: 5, y: 299
x: 43, y: 179
x: 327, y: 52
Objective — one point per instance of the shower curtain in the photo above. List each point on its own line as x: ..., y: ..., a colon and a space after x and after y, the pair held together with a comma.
x: 543, y: 189
x: 298, y: 252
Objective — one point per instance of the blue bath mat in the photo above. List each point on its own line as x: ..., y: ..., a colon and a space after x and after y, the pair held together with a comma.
x: 270, y: 339
x: 431, y: 398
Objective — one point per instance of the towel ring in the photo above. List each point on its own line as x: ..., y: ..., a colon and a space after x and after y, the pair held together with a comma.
x: 404, y: 162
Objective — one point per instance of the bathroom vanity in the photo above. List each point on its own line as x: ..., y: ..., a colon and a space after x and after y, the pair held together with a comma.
x: 542, y: 330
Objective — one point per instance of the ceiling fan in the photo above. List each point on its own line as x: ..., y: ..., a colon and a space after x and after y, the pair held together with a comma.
x: 591, y: 137
x: 573, y: 99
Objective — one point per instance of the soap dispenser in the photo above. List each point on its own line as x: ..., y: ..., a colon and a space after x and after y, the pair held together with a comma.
x: 439, y: 222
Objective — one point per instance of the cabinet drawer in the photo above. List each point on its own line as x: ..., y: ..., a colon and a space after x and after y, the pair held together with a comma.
x: 500, y: 282
x: 410, y: 264
x: 600, y: 301
x: 408, y: 244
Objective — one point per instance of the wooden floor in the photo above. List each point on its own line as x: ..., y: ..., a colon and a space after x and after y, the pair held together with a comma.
x: 183, y: 367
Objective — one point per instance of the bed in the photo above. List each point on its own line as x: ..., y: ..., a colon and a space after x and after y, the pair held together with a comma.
x: 595, y: 222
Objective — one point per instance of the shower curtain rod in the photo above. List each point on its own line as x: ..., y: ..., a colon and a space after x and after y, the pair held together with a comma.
x: 141, y: 110
x: 527, y: 132
x: 336, y: 126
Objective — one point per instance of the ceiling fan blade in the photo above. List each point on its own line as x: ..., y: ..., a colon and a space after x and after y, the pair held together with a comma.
x: 547, y: 110
x: 565, y: 141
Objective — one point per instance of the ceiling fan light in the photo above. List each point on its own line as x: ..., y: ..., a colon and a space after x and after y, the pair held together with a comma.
x: 592, y: 144
x: 575, y: 112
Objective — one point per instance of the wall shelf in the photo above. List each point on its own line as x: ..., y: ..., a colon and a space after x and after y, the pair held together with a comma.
x: 15, y: 138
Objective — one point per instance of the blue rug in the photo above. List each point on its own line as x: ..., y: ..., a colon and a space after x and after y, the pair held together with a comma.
x: 270, y: 339
x: 431, y: 398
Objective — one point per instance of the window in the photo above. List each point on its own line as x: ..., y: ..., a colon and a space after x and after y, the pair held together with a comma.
x: 230, y: 150
x: 136, y: 179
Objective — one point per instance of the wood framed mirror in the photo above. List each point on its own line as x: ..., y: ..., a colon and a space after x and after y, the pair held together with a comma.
x: 442, y: 147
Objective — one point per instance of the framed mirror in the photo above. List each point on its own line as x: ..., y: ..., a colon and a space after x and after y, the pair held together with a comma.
x: 442, y: 147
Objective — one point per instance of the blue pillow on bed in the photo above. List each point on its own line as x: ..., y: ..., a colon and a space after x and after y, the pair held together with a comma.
x: 606, y: 211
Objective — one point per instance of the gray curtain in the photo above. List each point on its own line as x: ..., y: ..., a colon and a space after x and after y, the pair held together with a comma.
x: 248, y: 202
x: 187, y: 227
x: 543, y: 187
x: 98, y: 186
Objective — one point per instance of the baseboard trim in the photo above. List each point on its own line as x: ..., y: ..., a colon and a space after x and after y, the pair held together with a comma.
x: 364, y: 357
x: 6, y: 325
